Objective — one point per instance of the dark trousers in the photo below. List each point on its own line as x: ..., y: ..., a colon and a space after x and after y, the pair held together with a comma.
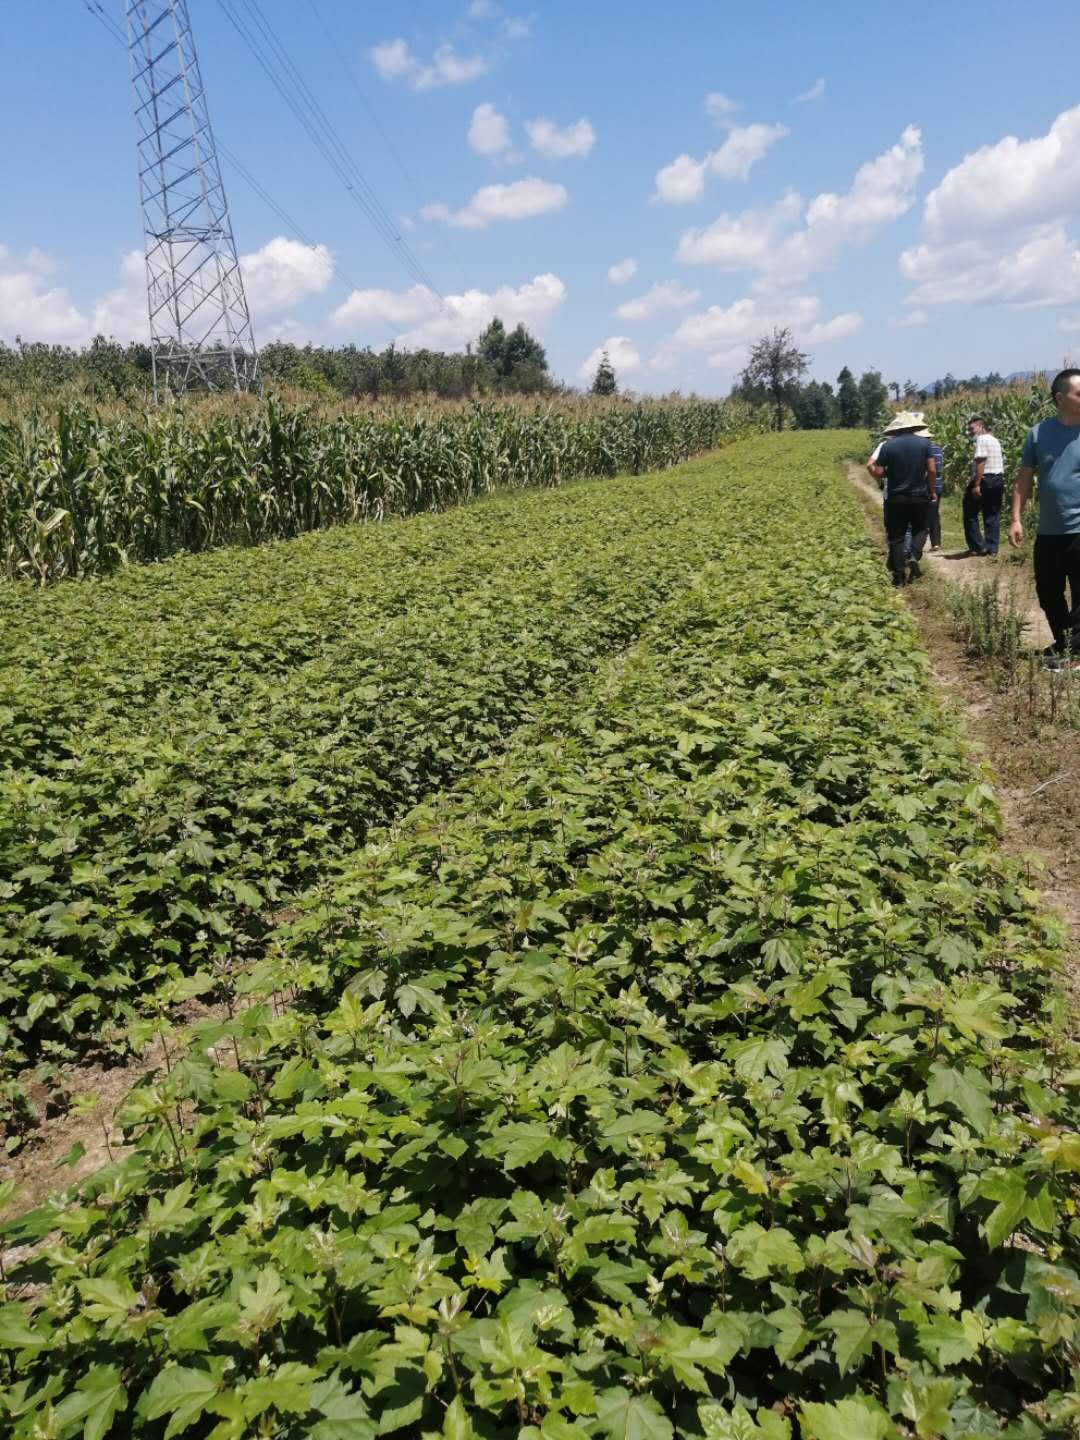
x: 1057, y: 564
x: 982, y: 515
x: 905, y: 510
x: 933, y: 523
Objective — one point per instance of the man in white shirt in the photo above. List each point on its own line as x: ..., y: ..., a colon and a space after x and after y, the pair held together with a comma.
x: 985, y: 491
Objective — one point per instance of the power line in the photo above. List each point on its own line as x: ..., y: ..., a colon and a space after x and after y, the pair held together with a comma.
x: 387, y: 139
x: 310, y: 116
x: 386, y: 222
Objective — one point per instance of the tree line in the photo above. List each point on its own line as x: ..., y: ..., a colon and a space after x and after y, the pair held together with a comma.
x: 499, y: 361
x: 773, y: 378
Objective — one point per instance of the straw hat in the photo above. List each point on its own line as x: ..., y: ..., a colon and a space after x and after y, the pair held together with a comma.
x: 904, y: 420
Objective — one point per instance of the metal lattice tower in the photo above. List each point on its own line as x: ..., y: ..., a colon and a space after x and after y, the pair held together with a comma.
x: 200, y: 328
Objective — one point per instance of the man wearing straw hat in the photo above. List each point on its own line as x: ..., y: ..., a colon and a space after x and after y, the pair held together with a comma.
x: 905, y: 462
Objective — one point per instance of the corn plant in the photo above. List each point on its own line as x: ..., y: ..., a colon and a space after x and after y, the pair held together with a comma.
x: 83, y: 491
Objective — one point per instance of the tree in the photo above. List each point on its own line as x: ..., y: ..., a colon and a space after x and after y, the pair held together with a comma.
x: 872, y: 397
x: 776, y: 366
x: 491, y: 344
x: 604, y: 382
x: 814, y: 406
x: 515, y: 361
x: 848, y: 404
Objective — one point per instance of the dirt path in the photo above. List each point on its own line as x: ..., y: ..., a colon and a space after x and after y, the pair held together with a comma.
x: 958, y: 569
x: 1037, y: 766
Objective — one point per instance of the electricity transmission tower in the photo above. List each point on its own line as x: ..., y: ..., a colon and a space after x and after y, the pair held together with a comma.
x: 200, y: 328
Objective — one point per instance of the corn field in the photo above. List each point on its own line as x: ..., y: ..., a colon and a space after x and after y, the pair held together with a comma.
x: 84, y: 491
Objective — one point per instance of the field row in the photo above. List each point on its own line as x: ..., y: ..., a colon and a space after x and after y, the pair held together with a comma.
x: 690, y: 1068
x: 184, y: 746
x: 82, y: 493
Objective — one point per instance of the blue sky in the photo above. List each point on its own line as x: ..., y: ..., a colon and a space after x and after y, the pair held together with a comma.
x: 903, y: 195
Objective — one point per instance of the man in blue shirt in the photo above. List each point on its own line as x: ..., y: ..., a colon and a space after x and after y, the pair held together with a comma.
x: 1052, y: 449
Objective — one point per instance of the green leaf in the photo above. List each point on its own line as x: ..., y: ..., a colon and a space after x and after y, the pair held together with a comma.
x: 456, y: 1422
x: 856, y: 1336
x: 523, y: 1144
x: 1009, y: 1189
x: 846, y: 1420
x: 346, y: 1416
x: 16, y: 1332
x: 182, y: 1393
x: 683, y: 1349
x: 719, y: 1423
x: 171, y: 1211
x: 758, y: 1252
x: 624, y: 1416
x: 927, y: 1404
x: 757, y: 1056
x: 107, y: 1299
x: 99, y: 1398
x: 965, y: 1090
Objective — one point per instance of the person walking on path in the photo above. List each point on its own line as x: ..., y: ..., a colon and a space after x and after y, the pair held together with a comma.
x: 934, y: 514
x: 1052, y: 451
x: 985, y: 492
x: 905, y: 463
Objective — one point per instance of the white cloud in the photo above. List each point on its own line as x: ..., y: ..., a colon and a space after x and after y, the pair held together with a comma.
x: 1041, y: 267
x: 913, y: 318
x: 719, y: 106
x: 122, y: 312
x: 668, y: 295
x: 482, y: 10
x: 815, y: 92
x: 1010, y: 184
x: 622, y: 271
x: 395, y: 61
x: 283, y: 273
x: 743, y: 241
x: 621, y: 352
x: 823, y: 332
x: 280, y: 274
x: 31, y: 307
x: 365, y: 310
x: 489, y: 132
x: 519, y: 27
x: 546, y: 137
x: 426, y: 321
x: 729, y: 331
x: 787, y: 242
x: 743, y: 148
x: 883, y: 189
x: 1069, y: 325
x: 684, y: 179
x: 995, y: 228
x: 519, y: 200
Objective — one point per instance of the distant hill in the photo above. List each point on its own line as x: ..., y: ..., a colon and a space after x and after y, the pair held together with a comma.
x: 1009, y: 379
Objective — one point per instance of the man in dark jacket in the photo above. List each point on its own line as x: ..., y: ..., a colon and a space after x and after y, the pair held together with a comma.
x: 907, y: 466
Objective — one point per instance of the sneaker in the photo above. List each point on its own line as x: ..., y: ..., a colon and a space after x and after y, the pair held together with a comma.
x: 1054, y: 661
x: 913, y: 571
